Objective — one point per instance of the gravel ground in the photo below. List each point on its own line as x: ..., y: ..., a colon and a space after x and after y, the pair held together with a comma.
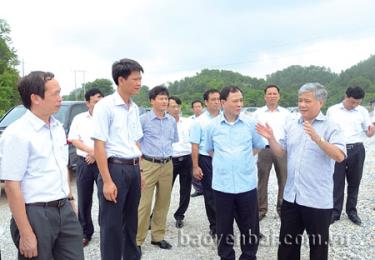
x: 193, y: 242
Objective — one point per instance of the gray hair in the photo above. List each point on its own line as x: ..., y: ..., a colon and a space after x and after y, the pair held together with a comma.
x: 318, y: 89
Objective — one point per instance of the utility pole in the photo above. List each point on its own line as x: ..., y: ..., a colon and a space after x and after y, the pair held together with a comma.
x: 75, y: 81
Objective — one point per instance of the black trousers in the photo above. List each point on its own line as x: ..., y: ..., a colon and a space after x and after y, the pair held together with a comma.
x: 119, y: 221
x: 57, y: 231
x: 182, y: 166
x: 351, y: 169
x: 243, y: 207
x: 205, y: 163
x: 86, y: 176
x: 295, y: 219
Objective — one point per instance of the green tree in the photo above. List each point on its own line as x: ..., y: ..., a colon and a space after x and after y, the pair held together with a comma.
x: 142, y: 98
x: 104, y: 85
x: 8, y: 74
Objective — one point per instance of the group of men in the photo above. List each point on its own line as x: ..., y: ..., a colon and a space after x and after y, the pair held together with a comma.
x: 135, y: 160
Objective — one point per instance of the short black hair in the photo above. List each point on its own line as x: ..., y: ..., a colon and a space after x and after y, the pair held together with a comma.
x: 33, y: 83
x: 230, y: 89
x: 123, y: 68
x: 158, y: 90
x: 176, y: 99
x: 92, y: 92
x: 355, y: 92
x: 271, y: 86
x: 196, y: 101
x: 208, y: 92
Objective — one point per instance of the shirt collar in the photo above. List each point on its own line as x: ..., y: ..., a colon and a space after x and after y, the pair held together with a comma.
x: 119, y: 101
x: 341, y: 106
x: 320, y: 117
x: 265, y: 108
x: 38, y: 123
x: 153, y: 115
x: 222, y: 119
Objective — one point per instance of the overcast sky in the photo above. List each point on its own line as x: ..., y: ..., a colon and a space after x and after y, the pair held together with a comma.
x: 176, y: 39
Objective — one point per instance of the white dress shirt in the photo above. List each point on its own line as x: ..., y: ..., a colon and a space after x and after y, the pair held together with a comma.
x: 36, y: 155
x: 118, y: 125
x: 183, y: 146
x: 275, y: 119
x: 354, y: 123
x: 82, y: 129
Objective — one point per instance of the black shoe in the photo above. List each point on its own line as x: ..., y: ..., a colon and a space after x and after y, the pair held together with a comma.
x: 179, y: 223
x: 162, y: 244
x: 140, y: 250
x: 196, y: 194
x: 334, y: 218
x: 355, y: 219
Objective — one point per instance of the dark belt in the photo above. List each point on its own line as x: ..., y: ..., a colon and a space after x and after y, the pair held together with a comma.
x: 55, y: 203
x: 157, y: 160
x: 123, y: 161
x: 351, y: 146
x: 181, y: 158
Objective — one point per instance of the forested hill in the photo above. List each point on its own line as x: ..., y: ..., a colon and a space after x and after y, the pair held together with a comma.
x: 288, y: 79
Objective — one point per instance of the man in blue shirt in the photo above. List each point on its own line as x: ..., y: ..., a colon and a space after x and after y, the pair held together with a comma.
x: 202, y: 165
x: 313, y: 143
x: 159, y: 132
x: 232, y: 138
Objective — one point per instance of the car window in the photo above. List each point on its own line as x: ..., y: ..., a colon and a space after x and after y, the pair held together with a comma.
x: 12, y: 116
x: 76, y: 109
x: 61, y: 114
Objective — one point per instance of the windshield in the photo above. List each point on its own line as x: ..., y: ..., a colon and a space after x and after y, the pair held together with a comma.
x: 18, y: 111
x: 12, y: 116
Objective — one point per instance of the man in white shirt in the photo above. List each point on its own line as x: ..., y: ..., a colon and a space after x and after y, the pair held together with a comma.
x: 197, y: 107
x: 117, y: 128
x: 276, y: 117
x: 87, y: 171
x: 181, y: 159
x: 34, y: 160
x: 355, y: 122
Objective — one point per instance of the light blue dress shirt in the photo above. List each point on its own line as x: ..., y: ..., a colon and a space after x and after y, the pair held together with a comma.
x: 158, y: 135
x: 310, y: 169
x: 199, y: 129
x: 233, y: 163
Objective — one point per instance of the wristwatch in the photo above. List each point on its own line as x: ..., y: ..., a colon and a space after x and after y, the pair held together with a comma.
x: 322, y: 140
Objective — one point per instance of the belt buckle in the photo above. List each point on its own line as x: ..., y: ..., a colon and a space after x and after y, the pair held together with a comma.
x: 349, y: 146
x: 60, y: 203
x: 181, y: 158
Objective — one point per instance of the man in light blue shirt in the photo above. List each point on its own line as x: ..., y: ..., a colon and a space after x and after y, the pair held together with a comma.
x: 202, y: 162
x: 313, y: 143
x: 232, y: 138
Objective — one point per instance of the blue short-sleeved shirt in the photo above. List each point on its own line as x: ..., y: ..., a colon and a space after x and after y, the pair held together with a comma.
x: 198, y: 131
x: 233, y: 164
